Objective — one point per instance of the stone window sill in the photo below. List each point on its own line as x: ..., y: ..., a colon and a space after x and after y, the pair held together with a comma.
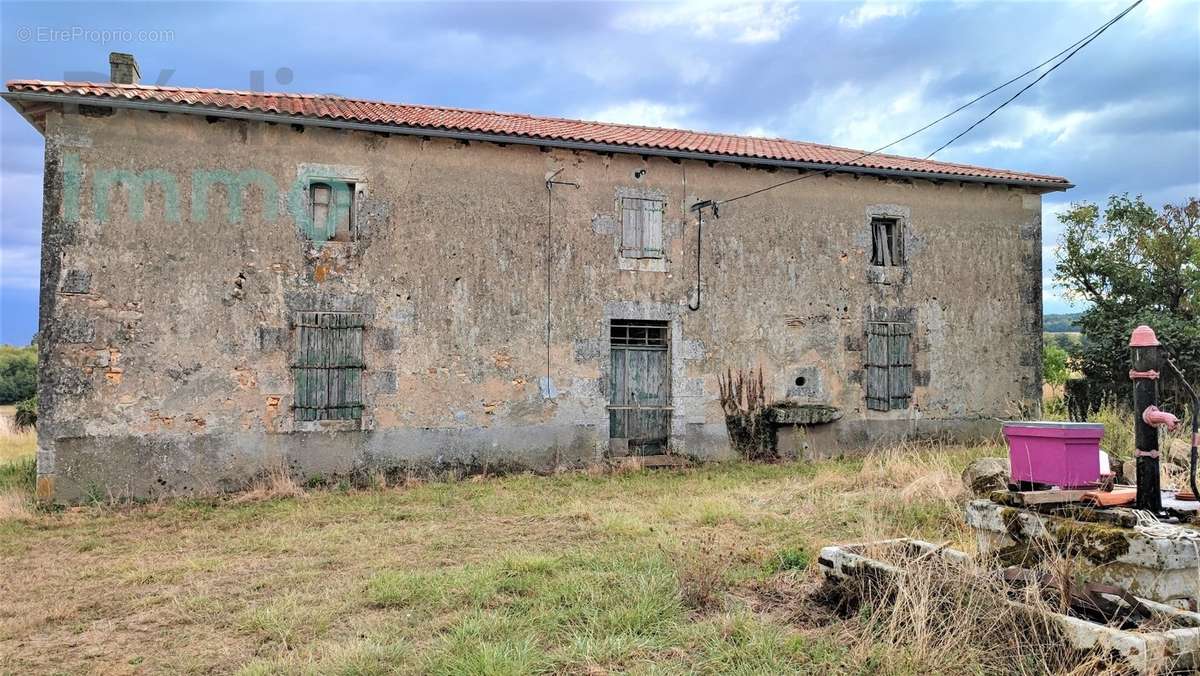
x: 642, y: 264
x: 328, y: 426
x: 879, y: 274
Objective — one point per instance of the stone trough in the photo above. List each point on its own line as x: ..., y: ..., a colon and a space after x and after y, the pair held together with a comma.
x: 1144, y: 652
x: 1104, y: 545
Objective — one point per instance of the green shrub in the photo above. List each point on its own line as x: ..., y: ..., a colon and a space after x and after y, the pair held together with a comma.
x: 20, y: 474
x: 1118, y: 430
x: 789, y: 559
x: 18, y: 373
x: 26, y: 415
x: 1054, y: 364
x: 1054, y: 408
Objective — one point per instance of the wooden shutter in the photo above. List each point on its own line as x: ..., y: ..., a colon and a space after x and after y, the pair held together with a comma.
x: 877, y: 364
x: 652, y: 234
x: 342, y: 208
x: 631, y: 227
x: 879, y: 243
x: 327, y: 365
x: 319, y: 196
x: 900, y: 366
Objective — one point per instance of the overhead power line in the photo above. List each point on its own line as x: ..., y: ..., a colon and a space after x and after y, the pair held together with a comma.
x: 1027, y: 87
x: 1069, y: 51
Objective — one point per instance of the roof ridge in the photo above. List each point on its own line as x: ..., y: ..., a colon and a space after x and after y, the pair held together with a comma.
x: 617, y: 133
x: 425, y: 106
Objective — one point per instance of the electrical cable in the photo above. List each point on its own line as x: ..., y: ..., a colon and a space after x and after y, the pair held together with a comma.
x: 550, y: 183
x: 699, y: 239
x: 1072, y: 49
x: 1027, y: 87
x: 549, y: 212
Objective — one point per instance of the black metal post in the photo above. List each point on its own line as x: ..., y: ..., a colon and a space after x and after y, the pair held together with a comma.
x: 1145, y: 362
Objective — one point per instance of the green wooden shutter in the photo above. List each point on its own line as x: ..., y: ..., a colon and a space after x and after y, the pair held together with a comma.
x: 877, y: 364
x: 900, y: 366
x: 327, y: 365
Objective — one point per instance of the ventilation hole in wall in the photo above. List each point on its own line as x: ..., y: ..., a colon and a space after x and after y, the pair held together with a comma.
x: 800, y: 381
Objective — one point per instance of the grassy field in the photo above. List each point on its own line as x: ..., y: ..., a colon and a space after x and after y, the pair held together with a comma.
x: 696, y: 571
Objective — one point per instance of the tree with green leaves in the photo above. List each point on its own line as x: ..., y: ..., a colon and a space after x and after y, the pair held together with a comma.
x: 18, y: 373
x: 1054, y: 364
x: 1132, y: 265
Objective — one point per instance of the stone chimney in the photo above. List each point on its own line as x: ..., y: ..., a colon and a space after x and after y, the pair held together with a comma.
x: 123, y: 68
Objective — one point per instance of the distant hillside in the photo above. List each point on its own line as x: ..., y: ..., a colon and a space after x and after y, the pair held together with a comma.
x: 1068, y: 323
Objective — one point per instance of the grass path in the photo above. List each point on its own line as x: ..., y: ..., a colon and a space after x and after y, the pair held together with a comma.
x: 644, y: 572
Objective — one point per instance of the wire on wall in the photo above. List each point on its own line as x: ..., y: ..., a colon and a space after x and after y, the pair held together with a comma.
x: 548, y: 389
x: 699, y: 208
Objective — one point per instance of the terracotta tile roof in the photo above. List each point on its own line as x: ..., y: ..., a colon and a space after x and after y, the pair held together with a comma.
x: 525, y: 126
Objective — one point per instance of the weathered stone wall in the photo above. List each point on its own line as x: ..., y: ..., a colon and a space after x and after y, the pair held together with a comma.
x: 165, y: 364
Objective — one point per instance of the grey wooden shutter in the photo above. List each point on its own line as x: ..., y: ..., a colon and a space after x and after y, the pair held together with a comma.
x: 327, y: 365
x: 877, y: 364
x: 879, y: 243
x: 631, y: 227
x: 900, y: 366
x: 652, y: 234
x: 618, y: 396
x: 342, y: 210
x: 319, y: 196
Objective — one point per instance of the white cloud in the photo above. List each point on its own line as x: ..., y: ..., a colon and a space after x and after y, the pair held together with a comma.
x: 19, y: 265
x: 758, y: 131
x: 865, y: 117
x: 642, y: 112
x: 874, y: 11
x: 748, y: 23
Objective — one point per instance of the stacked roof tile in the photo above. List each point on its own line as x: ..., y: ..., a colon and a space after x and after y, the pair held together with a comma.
x: 518, y: 126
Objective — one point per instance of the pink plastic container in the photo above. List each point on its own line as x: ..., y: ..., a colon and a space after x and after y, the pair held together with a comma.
x: 1060, y: 454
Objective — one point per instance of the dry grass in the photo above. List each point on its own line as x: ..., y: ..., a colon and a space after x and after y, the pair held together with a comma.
x: 701, y: 570
x: 959, y: 617
x: 16, y: 469
x: 14, y: 445
x: 15, y: 505
x: 275, y: 483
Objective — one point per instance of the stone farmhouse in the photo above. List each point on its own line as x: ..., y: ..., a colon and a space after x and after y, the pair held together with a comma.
x: 232, y: 280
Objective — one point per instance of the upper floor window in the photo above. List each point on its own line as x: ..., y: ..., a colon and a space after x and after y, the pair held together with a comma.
x: 887, y: 241
x: 641, y: 227
x: 331, y: 206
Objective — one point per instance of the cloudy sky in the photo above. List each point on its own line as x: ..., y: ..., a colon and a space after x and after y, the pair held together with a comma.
x: 1122, y: 116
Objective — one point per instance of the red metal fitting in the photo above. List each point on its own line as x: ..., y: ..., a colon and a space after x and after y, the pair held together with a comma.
x: 1148, y: 375
x: 1155, y: 417
x: 1143, y: 336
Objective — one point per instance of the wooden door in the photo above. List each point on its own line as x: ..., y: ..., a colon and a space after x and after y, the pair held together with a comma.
x: 640, y: 386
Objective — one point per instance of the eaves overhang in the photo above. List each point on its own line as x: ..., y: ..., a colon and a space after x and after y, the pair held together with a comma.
x: 24, y: 102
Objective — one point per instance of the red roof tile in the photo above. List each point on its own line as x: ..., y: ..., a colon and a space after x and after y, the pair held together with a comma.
x: 525, y: 126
